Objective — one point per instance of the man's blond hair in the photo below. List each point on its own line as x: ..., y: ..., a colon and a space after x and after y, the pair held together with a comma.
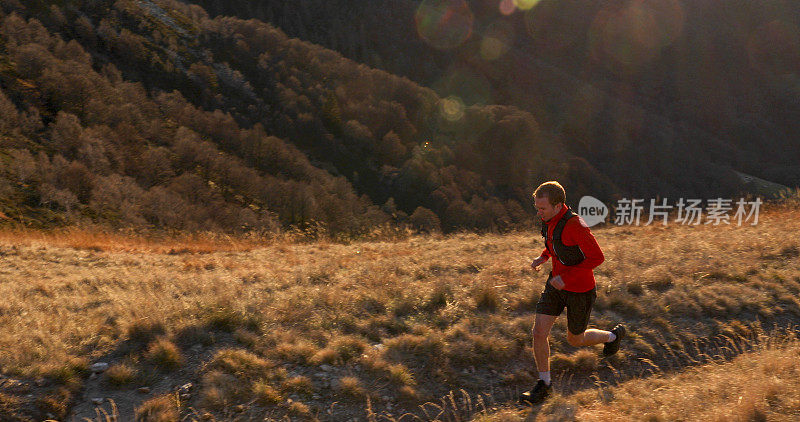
x: 553, y: 191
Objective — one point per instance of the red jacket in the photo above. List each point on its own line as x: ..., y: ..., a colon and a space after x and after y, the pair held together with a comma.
x: 577, y: 278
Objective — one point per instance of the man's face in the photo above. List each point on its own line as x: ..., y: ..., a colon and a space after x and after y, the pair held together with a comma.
x: 544, y: 209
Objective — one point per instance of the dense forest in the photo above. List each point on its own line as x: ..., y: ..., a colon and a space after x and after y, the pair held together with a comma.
x: 632, y: 86
x: 154, y: 114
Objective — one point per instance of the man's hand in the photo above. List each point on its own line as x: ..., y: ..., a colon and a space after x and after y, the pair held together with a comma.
x: 557, y: 282
x: 537, y: 263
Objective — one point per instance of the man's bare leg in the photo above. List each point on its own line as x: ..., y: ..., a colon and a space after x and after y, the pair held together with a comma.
x: 588, y: 338
x: 541, y: 352
x: 541, y: 344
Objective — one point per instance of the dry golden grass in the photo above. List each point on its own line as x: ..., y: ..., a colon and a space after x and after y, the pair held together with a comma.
x: 411, y: 318
x: 158, y: 409
x: 755, y: 386
x: 760, y: 385
x: 165, y: 355
x: 121, y: 374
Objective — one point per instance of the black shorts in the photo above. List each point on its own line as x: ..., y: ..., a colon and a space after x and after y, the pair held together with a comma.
x: 579, y: 305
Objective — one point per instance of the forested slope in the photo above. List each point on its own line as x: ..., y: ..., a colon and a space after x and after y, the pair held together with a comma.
x: 151, y: 114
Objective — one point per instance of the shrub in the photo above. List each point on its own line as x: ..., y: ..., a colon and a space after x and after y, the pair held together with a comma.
x: 300, y: 351
x: 340, y: 350
x: 227, y: 319
x: 400, y: 374
x: 299, y: 409
x: 350, y: 387
x: 165, y: 354
x: 265, y: 393
x: 299, y: 384
x: 120, y: 374
x: 241, y: 363
x: 158, y: 409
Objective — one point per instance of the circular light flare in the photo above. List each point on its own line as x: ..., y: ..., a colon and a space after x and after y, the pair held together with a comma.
x: 452, y: 108
x: 492, y: 48
x: 497, y: 40
x: 507, y: 7
x: 627, y: 39
x: 525, y: 4
x: 444, y: 24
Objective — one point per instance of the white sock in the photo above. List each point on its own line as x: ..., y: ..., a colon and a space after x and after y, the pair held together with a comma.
x: 545, y: 376
x: 611, y: 337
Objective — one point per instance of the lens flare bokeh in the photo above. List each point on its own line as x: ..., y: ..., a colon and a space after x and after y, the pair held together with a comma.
x: 627, y: 38
x: 497, y: 40
x: 444, y: 24
x: 452, y: 108
x: 507, y: 7
x: 525, y: 4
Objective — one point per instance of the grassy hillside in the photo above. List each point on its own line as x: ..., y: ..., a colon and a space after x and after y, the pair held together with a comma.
x: 331, y: 331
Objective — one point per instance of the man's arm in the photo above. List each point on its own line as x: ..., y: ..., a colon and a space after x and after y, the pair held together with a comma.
x: 537, y: 263
x: 545, y: 255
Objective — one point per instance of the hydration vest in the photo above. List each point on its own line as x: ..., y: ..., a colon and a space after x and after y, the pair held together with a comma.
x: 567, y: 255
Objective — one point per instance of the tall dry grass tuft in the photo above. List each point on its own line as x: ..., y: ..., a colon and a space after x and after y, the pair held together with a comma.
x: 158, y: 409
x: 120, y: 374
x: 165, y: 354
x: 350, y: 387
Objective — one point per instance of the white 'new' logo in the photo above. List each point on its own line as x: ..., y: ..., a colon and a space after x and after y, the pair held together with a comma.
x: 592, y: 210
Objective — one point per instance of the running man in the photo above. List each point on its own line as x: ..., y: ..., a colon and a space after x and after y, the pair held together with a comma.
x: 571, y: 284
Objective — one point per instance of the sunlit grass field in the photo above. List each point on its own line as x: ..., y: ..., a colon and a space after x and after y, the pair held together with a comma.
x: 387, y: 329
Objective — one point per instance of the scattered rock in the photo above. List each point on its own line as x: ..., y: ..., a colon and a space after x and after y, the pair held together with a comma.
x: 239, y: 408
x: 41, y: 382
x: 326, y: 367
x: 99, y: 367
x: 93, y: 376
x: 97, y: 401
x: 185, y: 388
x: 143, y: 390
x: 197, y: 348
x: 186, y: 396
